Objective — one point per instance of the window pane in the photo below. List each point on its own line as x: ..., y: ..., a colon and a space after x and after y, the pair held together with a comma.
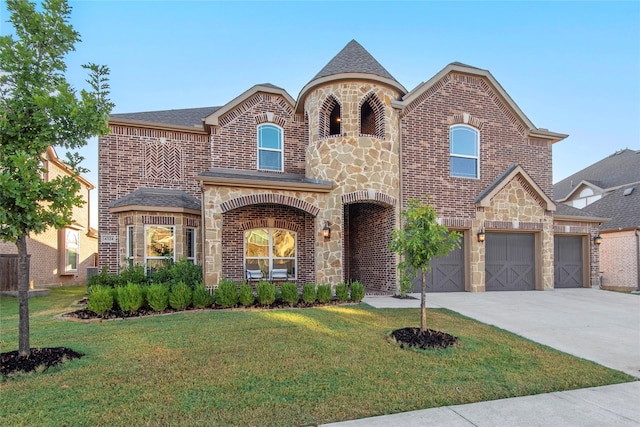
x: 284, y: 244
x: 464, y: 167
x: 270, y: 160
x: 129, y: 241
x: 286, y: 264
x: 256, y: 243
x: 464, y: 141
x: 159, y: 241
x: 270, y: 137
x: 190, y: 243
x: 71, y: 250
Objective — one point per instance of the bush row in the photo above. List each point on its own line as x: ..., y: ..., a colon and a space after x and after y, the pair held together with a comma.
x: 171, y: 272
x: 131, y: 297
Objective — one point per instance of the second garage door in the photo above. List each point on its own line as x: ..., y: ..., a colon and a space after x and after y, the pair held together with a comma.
x: 567, y: 262
x: 510, y: 262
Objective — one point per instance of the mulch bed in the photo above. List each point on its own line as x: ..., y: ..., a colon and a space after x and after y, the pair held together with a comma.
x: 12, y: 362
x: 412, y: 337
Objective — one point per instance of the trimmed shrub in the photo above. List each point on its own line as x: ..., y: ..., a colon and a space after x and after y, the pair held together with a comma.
x: 102, y: 279
x: 100, y: 299
x: 309, y: 293
x: 227, y: 293
x: 290, y: 293
x: 201, y: 296
x: 324, y: 294
x: 180, y: 296
x: 130, y: 297
x: 132, y: 274
x: 266, y: 292
x: 158, y: 296
x: 357, y: 291
x: 187, y: 272
x: 342, y: 292
x: 246, y: 297
x: 406, y: 285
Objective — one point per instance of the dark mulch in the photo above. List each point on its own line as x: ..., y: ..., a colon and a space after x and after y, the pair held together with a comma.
x: 412, y: 337
x: 11, y: 362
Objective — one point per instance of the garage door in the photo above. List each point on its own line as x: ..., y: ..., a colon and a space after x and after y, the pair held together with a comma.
x: 446, y: 273
x: 567, y: 260
x: 510, y: 262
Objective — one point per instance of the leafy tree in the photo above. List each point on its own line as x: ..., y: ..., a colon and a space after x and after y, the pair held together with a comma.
x: 38, y: 109
x: 421, y: 239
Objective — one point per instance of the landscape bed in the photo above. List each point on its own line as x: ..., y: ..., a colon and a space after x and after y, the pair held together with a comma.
x: 268, y: 367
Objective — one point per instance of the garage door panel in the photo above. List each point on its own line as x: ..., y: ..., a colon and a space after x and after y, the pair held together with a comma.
x: 446, y: 273
x: 568, y: 266
x: 510, y: 262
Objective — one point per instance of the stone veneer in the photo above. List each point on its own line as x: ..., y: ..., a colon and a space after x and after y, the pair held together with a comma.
x: 354, y: 162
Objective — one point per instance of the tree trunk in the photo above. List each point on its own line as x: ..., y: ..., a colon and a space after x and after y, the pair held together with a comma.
x: 423, y: 301
x: 23, y: 296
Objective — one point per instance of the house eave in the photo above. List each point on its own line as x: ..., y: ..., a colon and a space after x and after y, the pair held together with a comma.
x: 580, y: 218
x: 158, y: 126
x: 268, y: 185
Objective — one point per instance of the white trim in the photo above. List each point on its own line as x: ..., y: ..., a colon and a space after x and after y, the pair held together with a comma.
x: 259, y: 149
x: 476, y: 131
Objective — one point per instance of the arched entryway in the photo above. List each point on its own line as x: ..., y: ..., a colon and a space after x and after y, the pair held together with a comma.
x: 367, y: 234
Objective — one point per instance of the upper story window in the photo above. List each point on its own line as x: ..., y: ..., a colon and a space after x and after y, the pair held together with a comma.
x: 270, y: 152
x: 464, y: 146
x: 372, y: 116
x: 330, y: 118
x: 585, y: 198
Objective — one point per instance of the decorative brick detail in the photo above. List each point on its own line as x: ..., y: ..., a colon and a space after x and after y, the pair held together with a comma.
x: 269, y: 117
x: 329, y: 104
x: 278, y: 199
x: 512, y: 225
x: 134, y: 131
x: 163, y: 161
x: 376, y: 125
x: 530, y: 191
x: 128, y: 220
x: 192, y: 222
x: 458, y: 223
x: 270, y: 223
x: 158, y: 220
x: 467, y: 119
x: 426, y: 95
x: 368, y: 196
x: 240, y: 109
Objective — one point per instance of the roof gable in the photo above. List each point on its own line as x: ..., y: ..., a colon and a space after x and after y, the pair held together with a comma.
x: 621, y: 205
x: 417, y: 95
x: 213, y: 118
x: 484, y: 198
x: 620, y: 168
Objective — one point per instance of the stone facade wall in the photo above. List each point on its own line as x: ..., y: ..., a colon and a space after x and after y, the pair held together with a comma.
x: 234, y: 144
x: 354, y: 162
x: 130, y: 158
x: 237, y: 221
x: 619, y: 259
x: 514, y: 209
x: 425, y: 144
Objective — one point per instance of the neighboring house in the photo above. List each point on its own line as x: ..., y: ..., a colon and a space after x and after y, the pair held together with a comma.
x: 610, y: 188
x: 61, y: 257
x: 309, y: 189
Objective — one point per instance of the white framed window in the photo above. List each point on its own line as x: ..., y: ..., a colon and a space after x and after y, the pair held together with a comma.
x: 130, y: 245
x: 269, y: 249
x: 190, y: 244
x: 464, y: 146
x: 270, y: 152
x: 585, y: 198
x: 71, y: 251
x: 159, y: 245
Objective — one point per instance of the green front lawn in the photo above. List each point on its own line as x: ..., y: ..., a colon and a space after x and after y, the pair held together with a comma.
x: 280, y: 367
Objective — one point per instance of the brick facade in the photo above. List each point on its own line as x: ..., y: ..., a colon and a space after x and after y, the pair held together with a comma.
x: 356, y: 147
x: 619, y: 251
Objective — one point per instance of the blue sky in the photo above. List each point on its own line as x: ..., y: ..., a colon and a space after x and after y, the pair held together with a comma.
x: 572, y: 67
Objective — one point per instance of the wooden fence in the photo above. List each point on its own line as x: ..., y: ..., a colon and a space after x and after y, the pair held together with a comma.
x: 9, y: 272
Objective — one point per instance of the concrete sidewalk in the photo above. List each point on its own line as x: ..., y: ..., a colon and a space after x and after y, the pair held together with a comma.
x: 590, y: 323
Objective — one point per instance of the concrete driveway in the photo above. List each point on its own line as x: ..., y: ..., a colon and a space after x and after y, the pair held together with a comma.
x: 590, y: 323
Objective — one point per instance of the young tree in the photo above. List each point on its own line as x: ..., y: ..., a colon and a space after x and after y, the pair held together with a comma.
x: 420, y: 240
x: 38, y: 109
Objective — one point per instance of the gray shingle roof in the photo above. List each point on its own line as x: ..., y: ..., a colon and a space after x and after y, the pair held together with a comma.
x: 157, y: 197
x: 624, y: 211
x: 263, y: 176
x: 353, y: 58
x: 566, y: 210
x: 620, y: 168
x: 191, y: 117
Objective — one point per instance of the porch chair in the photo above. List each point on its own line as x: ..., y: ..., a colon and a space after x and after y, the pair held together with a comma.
x: 279, y: 274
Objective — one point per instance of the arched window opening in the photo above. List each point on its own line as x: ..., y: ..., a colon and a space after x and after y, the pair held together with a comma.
x: 330, y: 118
x: 372, y: 117
x: 367, y: 119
